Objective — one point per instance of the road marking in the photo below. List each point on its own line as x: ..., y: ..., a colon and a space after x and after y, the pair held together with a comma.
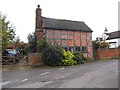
x: 48, y: 82
x: 24, y: 80
x: 60, y: 77
x: 44, y: 73
x: 62, y: 68
x: 3, y: 83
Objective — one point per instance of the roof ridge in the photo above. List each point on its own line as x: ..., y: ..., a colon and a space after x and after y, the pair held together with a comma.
x: 63, y: 19
x: 115, y: 31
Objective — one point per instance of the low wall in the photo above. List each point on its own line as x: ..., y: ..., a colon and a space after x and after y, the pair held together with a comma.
x: 34, y: 59
x: 104, y: 53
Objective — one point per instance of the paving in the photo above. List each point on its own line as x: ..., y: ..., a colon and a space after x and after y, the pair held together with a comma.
x: 99, y: 74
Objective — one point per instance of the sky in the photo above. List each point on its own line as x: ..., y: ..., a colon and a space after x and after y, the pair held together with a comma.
x: 97, y: 14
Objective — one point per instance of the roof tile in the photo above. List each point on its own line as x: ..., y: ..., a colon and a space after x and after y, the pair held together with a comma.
x: 60, y: 24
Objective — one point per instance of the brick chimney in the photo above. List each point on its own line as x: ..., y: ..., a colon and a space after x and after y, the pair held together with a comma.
x: 38, y: 18
x: 38, y: 28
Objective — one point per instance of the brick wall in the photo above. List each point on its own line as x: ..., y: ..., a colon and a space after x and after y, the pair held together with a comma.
x: 77, y: 38
x: 71, y: 38
x: 107, y: 53
x: 34, y: 59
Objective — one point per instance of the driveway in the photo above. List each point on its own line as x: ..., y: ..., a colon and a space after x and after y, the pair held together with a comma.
x: 99, y: 74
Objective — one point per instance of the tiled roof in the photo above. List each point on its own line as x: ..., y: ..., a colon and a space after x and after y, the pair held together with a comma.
x: 113, y: 35
x: 60, y: 24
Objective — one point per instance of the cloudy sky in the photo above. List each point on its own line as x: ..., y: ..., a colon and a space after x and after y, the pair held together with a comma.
x: 97, y: 14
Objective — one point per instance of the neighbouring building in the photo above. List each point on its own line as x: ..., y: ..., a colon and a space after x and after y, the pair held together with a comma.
x: 71, y: 35
x: 113, y: 38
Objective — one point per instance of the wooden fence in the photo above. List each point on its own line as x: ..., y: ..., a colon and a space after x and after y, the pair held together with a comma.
x: 9, y: 60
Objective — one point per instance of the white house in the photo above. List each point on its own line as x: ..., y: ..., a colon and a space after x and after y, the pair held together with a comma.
x: 113, y: 38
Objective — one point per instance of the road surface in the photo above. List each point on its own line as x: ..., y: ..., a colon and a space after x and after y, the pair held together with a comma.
x: 99, y: 74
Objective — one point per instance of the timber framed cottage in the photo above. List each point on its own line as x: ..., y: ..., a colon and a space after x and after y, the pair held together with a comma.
x: 71, y: 35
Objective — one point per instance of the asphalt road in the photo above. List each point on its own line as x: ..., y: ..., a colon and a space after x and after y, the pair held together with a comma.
x: 99, y: 74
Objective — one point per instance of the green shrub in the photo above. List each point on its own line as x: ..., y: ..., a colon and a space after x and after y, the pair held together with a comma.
x: 68, y: 55
x: 42, y: 44
x: 66, y: 62
x: 32, y: 42
x: 68, y: 59
x: 79, y: 58
x: 52, y: 55
x: 26, y: 50
x: 96, y: 45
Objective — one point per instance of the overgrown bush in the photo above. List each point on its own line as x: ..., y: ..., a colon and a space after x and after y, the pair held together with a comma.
x: 68, y: 55
x: 103, y: 44
x: 54, y: 55
x: 42, y: 44
x: 68, y: 59
x: 79, y: 58
x: 96, y: 45
x: 51, y: 54
x: 66, y: 62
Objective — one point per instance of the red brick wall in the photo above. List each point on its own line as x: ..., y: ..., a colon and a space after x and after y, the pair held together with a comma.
x: 70, y: 38
x: 49, y: 35
x: 63, y: 37
x: 34, y: 59
x: 108, y: 53
x: 83, y: 37
x: 75, y: 38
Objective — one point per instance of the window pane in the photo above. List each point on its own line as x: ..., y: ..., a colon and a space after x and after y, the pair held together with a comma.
x: 84, y: 49
x: 69, y: 48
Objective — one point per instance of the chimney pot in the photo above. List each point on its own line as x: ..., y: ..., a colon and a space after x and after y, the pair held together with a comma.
x: 38, y: 6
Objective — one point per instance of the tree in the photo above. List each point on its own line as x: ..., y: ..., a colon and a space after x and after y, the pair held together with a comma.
x: 32, y: 42
x: 31, y: 46
x: 8, y: 31
x: 16, y: 42
x: 96, y: 45
x: 42, y: 44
